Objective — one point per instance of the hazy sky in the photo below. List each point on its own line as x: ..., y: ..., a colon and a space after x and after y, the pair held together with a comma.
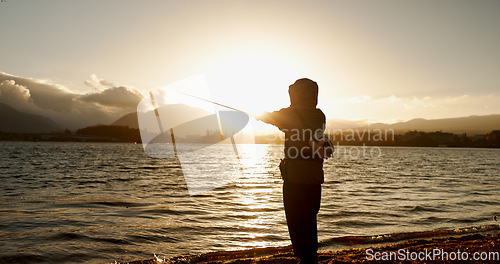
x: 377, y: 60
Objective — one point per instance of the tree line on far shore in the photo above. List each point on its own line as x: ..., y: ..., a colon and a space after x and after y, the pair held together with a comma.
x: 427, y: 139
x: 113, y: 133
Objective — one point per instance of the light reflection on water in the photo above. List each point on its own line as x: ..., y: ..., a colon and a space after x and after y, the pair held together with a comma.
x: 111, y: 201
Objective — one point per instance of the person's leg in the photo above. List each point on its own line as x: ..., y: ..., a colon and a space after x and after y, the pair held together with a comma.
x: 301, y: 207
x: 310, y: 255
x: 293, y: 212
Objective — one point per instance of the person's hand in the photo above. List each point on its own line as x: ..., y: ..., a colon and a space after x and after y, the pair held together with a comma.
x: 261, y: 116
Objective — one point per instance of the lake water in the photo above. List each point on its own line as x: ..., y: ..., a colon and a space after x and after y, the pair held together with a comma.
x: 99, y: 202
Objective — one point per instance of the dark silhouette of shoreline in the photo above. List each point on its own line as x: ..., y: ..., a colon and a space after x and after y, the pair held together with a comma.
x: 114, y: 133
x: 422, y: 139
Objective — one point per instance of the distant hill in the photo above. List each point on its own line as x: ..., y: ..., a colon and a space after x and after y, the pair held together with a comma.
x: 345, y: 124
x: 471, y: 125
x: 171, y: 115
x: 12, y: 120
x: 129, y: 120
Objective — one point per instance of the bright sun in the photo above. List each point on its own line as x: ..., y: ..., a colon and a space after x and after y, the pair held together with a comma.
x: 252, y: 82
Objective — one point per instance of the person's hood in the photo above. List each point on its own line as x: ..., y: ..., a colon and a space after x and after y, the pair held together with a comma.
x: 303, y: 93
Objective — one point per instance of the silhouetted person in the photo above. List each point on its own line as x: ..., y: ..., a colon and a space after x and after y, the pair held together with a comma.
x: 303, y: 172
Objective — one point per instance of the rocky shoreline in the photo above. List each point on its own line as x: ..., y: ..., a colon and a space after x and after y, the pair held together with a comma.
x: 485, y: 247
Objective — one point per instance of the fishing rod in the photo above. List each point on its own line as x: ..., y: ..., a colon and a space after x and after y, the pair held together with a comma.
x: 215, y: 103
x: 202, y: 99
x: 218, y: 118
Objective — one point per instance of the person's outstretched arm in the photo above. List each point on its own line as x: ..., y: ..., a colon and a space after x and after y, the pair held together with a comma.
x: 276, y: 118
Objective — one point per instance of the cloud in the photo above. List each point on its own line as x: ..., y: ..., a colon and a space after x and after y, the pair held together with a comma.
x: 97, y: 83
x: 121, y: 96
x: 43, y: 94
x: 68, y: 109
x: 10, y: 92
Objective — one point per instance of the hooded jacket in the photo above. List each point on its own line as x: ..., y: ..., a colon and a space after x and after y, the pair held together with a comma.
x: 298, y: 122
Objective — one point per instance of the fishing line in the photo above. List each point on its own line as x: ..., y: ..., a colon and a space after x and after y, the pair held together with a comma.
x: 219, y: 104
x: 218, y: 119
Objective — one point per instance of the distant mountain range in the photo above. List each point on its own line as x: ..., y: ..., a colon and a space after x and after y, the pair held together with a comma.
x: 12, y: 120
x: 176, y: 113
x: 471, y: 125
